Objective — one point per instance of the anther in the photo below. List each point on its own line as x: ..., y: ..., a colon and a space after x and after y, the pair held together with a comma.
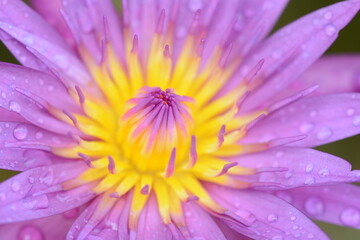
x: 145, y: 190
x: 111, y: 166
x: 80, y: 94
x: 193, y: 152
x: 170, y: 168
x: 221, y: 136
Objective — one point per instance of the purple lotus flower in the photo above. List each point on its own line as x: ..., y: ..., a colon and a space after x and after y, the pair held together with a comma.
x: 174, y: 120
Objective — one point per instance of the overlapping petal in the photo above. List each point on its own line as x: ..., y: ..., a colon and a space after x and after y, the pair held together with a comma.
x: 38, y: 193
x: 321, y: 119
x: 291, y: 50
x: 332, y: 73
x: 292, y: 167
x: 337, y: 204
x: 53, y: 227
x: 260, y: 215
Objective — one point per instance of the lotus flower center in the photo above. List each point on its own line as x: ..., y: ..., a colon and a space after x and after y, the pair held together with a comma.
x: 157, y: 123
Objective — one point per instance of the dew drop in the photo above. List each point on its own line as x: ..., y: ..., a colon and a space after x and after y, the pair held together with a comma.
x: 330, y: 30
x: 310, y: 236
x: 356, y: 121
x: 62, y: 61
x: 30, y: 233
x: 31, y: 180
x: 314, y: 206
x: 50, y: 88
x: 328, y: 15
x: 313, y: 113
x: 350, y: 112
x: 246, y: 215
x: 306, y: 127
x: 15, y: 186
x: 3, y: 95
x: 39, y: 135
x: 272, y: 218
x: 309, y: 168
x: 28, y: 40
x: 279, y: 154
x: 324, y: 133
x: 316, y: 21
x: 309, y: 181
x: 350, y: 217
x: 324, y: 172
x: 14, y: 106
x: 20, y: 132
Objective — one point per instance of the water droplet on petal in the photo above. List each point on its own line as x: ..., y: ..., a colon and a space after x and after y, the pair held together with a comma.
x: 306, y: 127
x: 350, y: 217
x: 246, y: 215
x: 309, y: 181
x: 20, y: 132
x: 14, y: 106
x: 3, y: 95
x: 28, y: 40
x: 314, y: 206
x: 50, y: 88
x: 62, y: 61
x: 324, y: 133
x: 39, y: 135
x: 30, y: 233
x: 15, y: 186
x: 350, y: 112
x: 310, y: 236
x: 313, y: 113
x: 309, y: 168
x: 330, y: 30
x: 328, y: 15
x: 272, y: 218
x: 324, y: 172
x: 356, y: 121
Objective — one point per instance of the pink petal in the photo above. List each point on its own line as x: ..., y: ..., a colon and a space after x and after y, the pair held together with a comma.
x: 260, y: 215
x: 200, y: 224
x: 32, y: 109
x: 322, y: 119
x: 38, y: 193
x: 53, y: 227
x: 43, y: 86
x: 337, y: 204
x: 53, y: 55
x: 18, y: 13
x: 150, y: 224
x: 91, y: 19
x: 332, y: 73
x: 291, y: 50
x: 25, y: 135
x: 20, y: 159
x: 50, y: 11
x: 290, y: 167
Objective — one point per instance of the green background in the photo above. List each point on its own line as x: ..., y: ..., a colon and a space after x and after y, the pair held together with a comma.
x: 348, y: 41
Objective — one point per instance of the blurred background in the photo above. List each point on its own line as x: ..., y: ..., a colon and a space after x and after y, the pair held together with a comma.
x: 348, y: 42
